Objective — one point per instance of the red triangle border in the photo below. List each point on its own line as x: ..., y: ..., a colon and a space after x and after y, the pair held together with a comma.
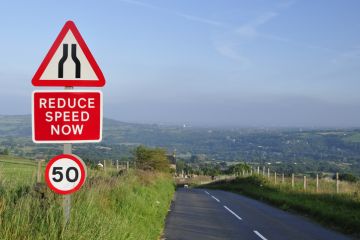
x: 69, y: 25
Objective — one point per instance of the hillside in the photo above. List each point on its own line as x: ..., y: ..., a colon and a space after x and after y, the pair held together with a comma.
x: 287, y: 149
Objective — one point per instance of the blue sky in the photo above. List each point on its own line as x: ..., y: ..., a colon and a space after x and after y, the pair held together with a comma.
x: 204, y: 62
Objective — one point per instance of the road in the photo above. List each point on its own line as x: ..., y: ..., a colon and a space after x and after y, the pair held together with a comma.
x: 198, y: 214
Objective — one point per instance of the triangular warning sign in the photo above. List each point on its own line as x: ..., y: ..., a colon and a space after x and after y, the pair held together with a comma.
x: 69, y: 62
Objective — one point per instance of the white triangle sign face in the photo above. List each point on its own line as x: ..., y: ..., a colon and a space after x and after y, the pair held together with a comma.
x: 69, y: 62
x: 68, y: 48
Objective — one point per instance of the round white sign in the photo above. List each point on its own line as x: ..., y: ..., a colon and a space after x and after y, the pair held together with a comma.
x: 65, y: 173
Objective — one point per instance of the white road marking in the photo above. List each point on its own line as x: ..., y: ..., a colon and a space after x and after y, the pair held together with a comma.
x: 207, y: 193
x: 232, y: 212
x: 215, y: 198
x: 259, y: 235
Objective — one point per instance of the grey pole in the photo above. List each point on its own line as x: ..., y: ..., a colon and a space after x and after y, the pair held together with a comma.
x: 67, y: 198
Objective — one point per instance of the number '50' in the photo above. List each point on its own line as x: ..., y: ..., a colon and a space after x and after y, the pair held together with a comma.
x: 57, y: 172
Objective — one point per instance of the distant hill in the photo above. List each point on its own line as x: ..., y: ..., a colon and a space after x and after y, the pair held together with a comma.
x: 114, y: 132
x: 17, y: 126
x: 322, y: 149
x: 20, y: 125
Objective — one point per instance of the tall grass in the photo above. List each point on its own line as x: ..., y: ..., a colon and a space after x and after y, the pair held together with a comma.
x: 131, y: 206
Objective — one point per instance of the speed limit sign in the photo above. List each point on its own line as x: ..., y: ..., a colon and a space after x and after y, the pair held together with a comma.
x: 65, y: 173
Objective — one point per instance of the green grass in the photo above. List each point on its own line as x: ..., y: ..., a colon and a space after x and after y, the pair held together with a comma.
x: 131, y: 206
x: 353, y: 138
x: 17, y: 171
x: 341, y: 211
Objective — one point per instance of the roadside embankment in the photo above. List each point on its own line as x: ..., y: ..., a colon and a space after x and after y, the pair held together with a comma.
x: 338, y: 211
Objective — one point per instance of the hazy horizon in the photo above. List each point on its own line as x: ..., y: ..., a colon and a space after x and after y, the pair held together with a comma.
x: 214, y: 126
x: 205, y: 63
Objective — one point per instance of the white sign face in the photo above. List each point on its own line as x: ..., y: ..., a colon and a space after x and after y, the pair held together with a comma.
x: 69, y: 62
x: 65, y: 174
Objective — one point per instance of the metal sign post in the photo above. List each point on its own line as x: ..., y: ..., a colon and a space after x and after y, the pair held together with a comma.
x: 67, y: 198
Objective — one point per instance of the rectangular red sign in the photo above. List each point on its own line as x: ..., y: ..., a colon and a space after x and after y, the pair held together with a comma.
x: 67, y: 116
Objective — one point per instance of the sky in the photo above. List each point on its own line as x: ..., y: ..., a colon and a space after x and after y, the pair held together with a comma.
x: 255, y: 63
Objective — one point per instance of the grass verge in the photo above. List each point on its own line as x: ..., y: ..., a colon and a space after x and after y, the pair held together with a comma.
x: 341, y: 211
x: 131, y: 206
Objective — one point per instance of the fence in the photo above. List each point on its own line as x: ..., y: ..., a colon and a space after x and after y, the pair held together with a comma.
x: 304, y: 182
x: 115, y: 165
x: 18, y: 172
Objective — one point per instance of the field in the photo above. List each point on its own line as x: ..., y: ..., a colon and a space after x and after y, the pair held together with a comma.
x: 132, y: 205
x: 339, y: 211
x: 17, y: 171
x: 354, y: 138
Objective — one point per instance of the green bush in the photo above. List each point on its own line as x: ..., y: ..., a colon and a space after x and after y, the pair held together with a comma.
x: 151, y: 159
x: 6, y: 152
x: 346, y: 177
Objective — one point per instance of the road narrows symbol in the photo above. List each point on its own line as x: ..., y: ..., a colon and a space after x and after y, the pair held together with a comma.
x: 76, y: 61
x: 64, y: 58
x: 62, y: 61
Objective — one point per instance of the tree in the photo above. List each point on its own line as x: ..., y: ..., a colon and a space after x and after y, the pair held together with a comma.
x: 239, y: 168
x: 188, y: 169
x: 6, y: 151
x: 210, y: 169
x: 151, y: 158
x: 346, y: 177
x: 180, y: 166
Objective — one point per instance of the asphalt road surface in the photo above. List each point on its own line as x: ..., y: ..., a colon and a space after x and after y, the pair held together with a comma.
x: 198, y: 214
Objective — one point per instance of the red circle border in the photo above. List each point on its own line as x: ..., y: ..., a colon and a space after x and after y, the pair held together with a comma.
x: 74, y: 158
